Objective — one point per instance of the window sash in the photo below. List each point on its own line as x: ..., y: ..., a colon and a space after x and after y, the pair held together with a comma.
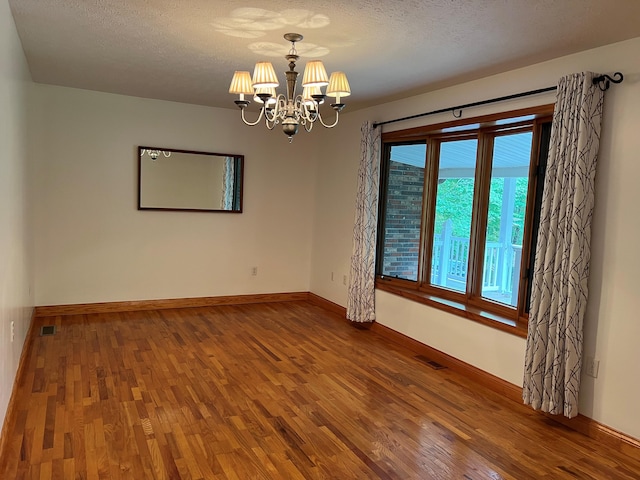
x: 391, y: 228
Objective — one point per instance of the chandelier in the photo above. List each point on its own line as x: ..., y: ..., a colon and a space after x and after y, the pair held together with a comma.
x: 291, y: 110
x: 154, y: 154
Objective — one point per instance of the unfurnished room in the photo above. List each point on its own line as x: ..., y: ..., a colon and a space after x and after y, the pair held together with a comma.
x: 322, y: 240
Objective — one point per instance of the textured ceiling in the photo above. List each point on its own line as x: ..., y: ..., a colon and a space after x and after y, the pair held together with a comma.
x: 187, y: 51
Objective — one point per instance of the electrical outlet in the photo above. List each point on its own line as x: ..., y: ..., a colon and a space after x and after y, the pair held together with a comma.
x: 591, y: 367
x: 332, y: 276
x: 344, y: 279
x: 254, y: 271
x: 13, y: 331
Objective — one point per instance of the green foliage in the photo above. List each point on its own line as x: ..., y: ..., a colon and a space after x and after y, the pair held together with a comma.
x: 454, y: 201
x: 522, y: 184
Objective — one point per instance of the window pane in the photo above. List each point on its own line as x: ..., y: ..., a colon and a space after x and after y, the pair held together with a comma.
x: 403, y: 211
x: 454, y: 204
x: 505, y: 223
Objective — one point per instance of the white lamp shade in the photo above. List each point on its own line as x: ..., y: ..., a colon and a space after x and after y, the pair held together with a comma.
x: 270, y: 90
x: 264, y: 76
x: 315, y: 74
x: 307, y: 95
x: 338, y: 85
x: 241, y: 83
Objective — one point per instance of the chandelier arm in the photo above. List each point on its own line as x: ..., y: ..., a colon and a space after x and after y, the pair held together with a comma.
x: 276, y: 111
x: 270, y: 117
x: 303, y: 108
x: 313, y: 116
x: 251, y: 124
x: 333, y: 124
x: 309, y: 114
x: 273, y: 120
x: 299, y: 109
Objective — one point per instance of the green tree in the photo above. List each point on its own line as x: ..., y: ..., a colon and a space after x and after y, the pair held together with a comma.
x: 455, y: 200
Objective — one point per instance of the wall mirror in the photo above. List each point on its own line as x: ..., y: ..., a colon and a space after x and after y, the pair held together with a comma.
x: 185, y: 180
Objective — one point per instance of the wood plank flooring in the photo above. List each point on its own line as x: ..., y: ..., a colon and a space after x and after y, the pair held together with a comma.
x: 270, y: 391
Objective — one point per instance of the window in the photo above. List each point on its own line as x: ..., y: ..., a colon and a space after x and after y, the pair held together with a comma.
x: 458, y: 209
x: 405, y: 182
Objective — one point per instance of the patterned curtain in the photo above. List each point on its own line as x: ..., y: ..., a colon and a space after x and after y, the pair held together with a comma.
x: 561, y: 269
x: 361, y: 300
x: 228, y: 176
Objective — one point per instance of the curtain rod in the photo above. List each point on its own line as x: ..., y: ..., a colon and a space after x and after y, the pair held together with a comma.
x: 603, y: 81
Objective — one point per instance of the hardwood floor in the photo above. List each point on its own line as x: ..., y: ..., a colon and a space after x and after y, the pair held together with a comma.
x: 269, y: 391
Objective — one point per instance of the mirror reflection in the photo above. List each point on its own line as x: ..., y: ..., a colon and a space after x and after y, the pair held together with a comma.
x: 186, y: 180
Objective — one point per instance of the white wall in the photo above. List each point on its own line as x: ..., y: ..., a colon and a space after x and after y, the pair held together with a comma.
x: 612, y: 331
x: 93, y: 245
x: 15, y: 272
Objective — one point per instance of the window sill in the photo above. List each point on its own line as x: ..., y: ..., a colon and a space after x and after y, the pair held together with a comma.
x: 456, y: 308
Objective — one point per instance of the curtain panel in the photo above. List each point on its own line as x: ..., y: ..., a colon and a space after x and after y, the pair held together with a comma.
x: 361, y: 296
x: 228, y: 187
x: 553, y: 355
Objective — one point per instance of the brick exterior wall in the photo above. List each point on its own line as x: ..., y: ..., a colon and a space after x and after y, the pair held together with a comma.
x: 402, y: 221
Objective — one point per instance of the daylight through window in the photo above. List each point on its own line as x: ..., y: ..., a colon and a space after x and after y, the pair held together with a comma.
x: 457, y: 210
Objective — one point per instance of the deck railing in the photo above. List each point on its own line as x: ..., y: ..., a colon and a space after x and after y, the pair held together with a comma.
x: 501, y: 266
